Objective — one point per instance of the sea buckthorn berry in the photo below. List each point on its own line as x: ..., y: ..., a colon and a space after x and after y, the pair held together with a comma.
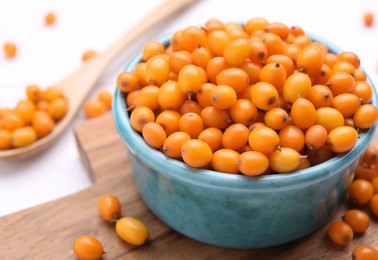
x: 374, y: 205
x: 213, y: 137
x: 190, y: 106
x: 191, y: 123
x: 105, y: 97
x: 235, y: 136
x: 244, y: 112
x: 315, y: 137
x: 190, y: 79
x: 322, y: 77
x: 302, y: 41
x: 255, y: 24
x: 50, y: 19
x: 357, y: 220
x: 147, y: 96
x: 291, y: 51
x: 364, y: 91
x: 264, y: 95
x: 361, y: 191
x: 5, y: 139
x: 359, y: 75
x: 217, y: 42
x: 225, y: 160
x: 350, y: 57
x: 204, y: 93
x: 152, y: 48
x: 201, y: 57
x: 87, y: 55
x: 140, y: 116
x: 341, y: 82
x: 212, y: 25
x: 140, y: 73
x: 237, y: 51
x: 10, y: 50
x: 273, y: 43
x: 173, y: 144
x: 293, y: 137
x: 342, y: 139
x: 253, y: 71
x: 236, y: 78
x: 223, y: 97
x: 275, y: 74
x: 366, y: 173
x: 283, y: 60
x: 253, y: 163
x: 132, y: 230
x: 58, y: 108
x: 343, y: 66
x: 130, y: 97
x: 109, y: 207
x: 368, y: 19
x: 320, y: 96
x: 258, y: 52
x: 179, y: 59
x: 11, y: 121
x: 157, y: 70
x: 364, y: 253
x: 34, y: 93
x: 365, y: 116
x: 196, y: 153
x: 340, y: 233
x: 23, y: 136
x: 177, y: 41
x: 330, y: 59
x: 88, y: 247
x: 154, y: 134
x: 284, y: 160
x: 264, y: 139
x: 127, y: 81
x: 296, y: 85
x: 51, y: 93
x: 310, y: 60
x: 346, y: 103
x: 25, y: 109
x: 169, y: 95
x: 278, y: 28
x: 42, y: 123
x: 276, y: 118
x: 215, y: 117
x: 370, y: 157
x: 319, y: 155
x: 94, y: 108
x: 304, y: 163
x: 214, y: 67
x: 192, y: 37
x: 303, y: 113
x: 169, y: 120
x: 329, y: 118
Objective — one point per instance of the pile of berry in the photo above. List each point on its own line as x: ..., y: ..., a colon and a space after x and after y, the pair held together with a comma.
x: 254, y: 99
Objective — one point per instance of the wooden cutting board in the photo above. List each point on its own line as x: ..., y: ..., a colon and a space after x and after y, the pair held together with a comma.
x: 48, y: 231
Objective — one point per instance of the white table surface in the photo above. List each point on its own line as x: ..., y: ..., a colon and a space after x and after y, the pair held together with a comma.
x: 48, y: 54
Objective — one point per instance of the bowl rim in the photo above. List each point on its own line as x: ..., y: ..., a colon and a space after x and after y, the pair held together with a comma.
x: 159, y: 161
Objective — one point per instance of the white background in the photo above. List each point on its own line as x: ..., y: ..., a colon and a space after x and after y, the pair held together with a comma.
x: 48, y: 54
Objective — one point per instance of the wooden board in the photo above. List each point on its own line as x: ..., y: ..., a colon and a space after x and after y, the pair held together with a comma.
x: 48, y: 231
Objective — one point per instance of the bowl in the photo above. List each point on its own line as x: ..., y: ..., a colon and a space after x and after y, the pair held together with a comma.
x: 237, y: 211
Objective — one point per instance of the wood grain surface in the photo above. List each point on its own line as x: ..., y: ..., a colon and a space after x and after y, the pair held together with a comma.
x: 48, y: 231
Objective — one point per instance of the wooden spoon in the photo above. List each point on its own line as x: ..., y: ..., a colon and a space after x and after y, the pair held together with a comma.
x: 78, y: 85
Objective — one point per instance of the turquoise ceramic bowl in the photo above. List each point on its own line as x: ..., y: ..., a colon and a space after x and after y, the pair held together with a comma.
x: 237, y: 211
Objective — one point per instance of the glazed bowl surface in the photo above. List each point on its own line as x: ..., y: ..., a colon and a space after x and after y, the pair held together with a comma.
x: 237, y: 211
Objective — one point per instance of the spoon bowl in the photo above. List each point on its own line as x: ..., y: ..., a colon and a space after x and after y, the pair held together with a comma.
x: 78, y: 85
